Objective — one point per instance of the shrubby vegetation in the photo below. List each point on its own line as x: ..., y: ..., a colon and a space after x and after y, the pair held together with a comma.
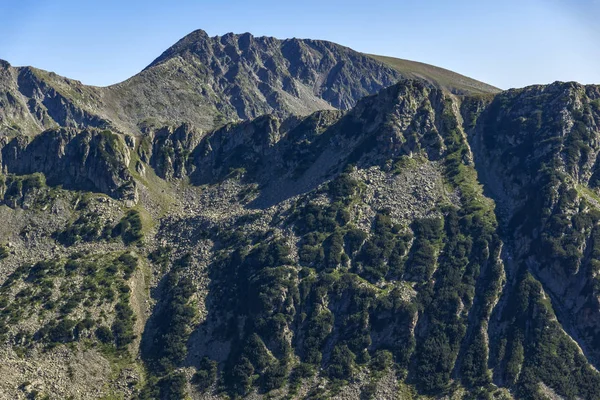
x: 90, y: 227
x: 86, y: 228
x: 383, y: 254
x: 206, y: 374
x: 54, y: 289
x: 161, y: 256
x: 170, y: 387
x: 4, y: 252
x: 17, y: 188
x: 130, y: 228
x: 537, y: 349
x: 173, y: 320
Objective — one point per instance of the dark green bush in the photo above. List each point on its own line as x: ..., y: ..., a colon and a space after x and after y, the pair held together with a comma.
x: 173, y: 387
x: 4, y: 252
x: 104, y: 334
x: 130, y: 228
x: 122, y: 327
x: 341, y: 366
x: 206, y: 374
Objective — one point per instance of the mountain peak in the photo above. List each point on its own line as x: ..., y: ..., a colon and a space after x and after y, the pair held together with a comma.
x: 189, y: 41
x: 206, y: 81
x: 421, y: 242
x: 194, y: 36
x: 252, y: 76
x: 4, y: 64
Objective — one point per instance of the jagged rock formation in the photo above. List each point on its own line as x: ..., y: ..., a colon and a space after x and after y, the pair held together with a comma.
x: 32, y: 100
x: 419, y: 243
x: 207, y: 82
x: 89, y: 160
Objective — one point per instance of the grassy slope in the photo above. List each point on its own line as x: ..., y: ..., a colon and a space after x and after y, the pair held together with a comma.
x: 441, y: 77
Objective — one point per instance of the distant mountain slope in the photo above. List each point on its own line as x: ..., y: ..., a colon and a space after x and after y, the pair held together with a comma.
x: 32, y: 100
x: 207, y: 81
x: 422, y: 243
x: 440, y: 77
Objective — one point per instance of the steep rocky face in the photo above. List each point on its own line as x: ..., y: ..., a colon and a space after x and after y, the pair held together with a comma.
x: 15, y: 115
x: 168, y: 149
x: 538, y: 149
x: 45, y: 100
x: 207, y: 82
x: 32, y: 100
x: 82, y: 160
x: 419, y: 243
x: 279, y: 151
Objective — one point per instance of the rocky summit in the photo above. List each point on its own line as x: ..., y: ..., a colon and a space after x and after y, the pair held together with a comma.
x: 291, y: 219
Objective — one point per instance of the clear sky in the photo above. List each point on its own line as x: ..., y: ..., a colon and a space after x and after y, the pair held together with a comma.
x: 509, y: 43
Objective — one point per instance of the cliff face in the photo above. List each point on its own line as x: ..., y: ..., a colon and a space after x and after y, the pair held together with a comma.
x: 340, y: 245
x: 538, y: 150
x: 82, y: 160
x: 208, y: 81
x: 32, y: 100
x: 411, y: 241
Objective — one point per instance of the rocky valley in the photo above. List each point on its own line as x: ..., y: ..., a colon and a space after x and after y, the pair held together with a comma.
x: 258, y: 218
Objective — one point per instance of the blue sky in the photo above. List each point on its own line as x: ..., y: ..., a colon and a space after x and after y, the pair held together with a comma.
x: 505, y: 43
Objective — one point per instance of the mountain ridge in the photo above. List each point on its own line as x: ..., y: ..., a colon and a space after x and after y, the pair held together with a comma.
x: 420, y: 243
x: 214, y: 80
x: 442, y: 77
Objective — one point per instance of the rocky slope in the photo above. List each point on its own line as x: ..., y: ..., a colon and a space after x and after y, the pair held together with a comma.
x: 33, y: 100
x: 208, y: 81
x: 420, y: 243
x: 439, y: 77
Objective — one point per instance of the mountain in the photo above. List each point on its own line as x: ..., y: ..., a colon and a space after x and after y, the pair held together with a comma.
x: 32, y: 100
x: 207, y: 81
x: 242, y: 76
x: 420, y: 244
x: 439, y: 77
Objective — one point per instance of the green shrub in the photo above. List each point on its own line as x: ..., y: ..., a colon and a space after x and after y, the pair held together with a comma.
x: 161, y: 256
x: 341, y: 366
x: 4, y: 252
x: 173, y: 387
x: 206, y: 374
x: 122, y: 327
x: 382, y: 360
x: 86, y: 228
x: 130, y: 228
x: 61, y: 332
x: 104, y: 334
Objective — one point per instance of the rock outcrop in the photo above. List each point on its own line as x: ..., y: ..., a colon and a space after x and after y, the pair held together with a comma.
x: 208, y: 81
x: 89, y: 160
x: 412, y: 240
